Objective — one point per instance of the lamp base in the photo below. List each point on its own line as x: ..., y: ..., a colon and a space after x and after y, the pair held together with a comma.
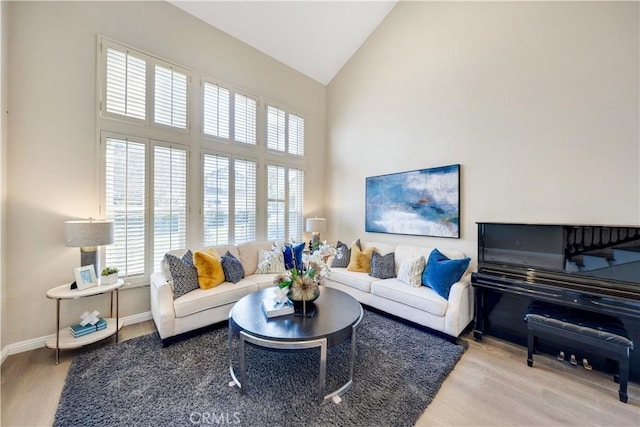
x: 89, y: 256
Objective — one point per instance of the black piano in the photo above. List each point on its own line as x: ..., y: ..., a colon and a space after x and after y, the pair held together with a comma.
x: 588, y: 267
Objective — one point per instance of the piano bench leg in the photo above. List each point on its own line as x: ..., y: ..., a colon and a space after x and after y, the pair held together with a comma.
x: 531, y: 343
x: 624, y: 378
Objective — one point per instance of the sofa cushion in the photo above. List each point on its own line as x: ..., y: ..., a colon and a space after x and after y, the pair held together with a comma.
x: 441, y: 272
x: 183, y: 273
x: 420, y: 297
x: 204, y: 299
x: 382, y: 266
x: 360, y: 259
x: 232, y: 268
x: 342, y: 257
x: 410, y: 271
x: 357, y: 280
x: 210, y: 272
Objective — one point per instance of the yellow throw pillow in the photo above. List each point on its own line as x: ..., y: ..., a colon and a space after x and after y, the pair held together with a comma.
x: 360, y: 260
x: 209, y: 266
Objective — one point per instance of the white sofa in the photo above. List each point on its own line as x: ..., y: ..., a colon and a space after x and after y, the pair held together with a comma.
x: 421, y: 305
x: 200, y: 307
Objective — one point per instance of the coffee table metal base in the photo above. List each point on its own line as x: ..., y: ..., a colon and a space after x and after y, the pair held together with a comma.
x: 294, y: 345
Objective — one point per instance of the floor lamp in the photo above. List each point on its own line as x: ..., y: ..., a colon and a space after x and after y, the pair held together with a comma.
x: 89, y: 235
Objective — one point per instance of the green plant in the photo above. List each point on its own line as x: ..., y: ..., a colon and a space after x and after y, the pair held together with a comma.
x: 109, y: 270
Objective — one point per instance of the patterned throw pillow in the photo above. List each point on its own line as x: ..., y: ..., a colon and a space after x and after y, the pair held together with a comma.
x: 270, y: 262
x: 411, y: 271
x: 233, y: 270
x: 342, y: 257
x: 441, y: 272
x: 360, y: 260
x: 210, y: 272
x: 183, y: 272
x: 382, y: 266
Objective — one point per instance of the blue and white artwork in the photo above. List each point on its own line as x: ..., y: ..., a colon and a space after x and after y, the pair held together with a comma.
x: 425, y: 202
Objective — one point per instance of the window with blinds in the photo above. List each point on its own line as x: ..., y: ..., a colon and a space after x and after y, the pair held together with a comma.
x: 285, y: 131
x: 216, y: 110
x: 275, y: 128
x: 218, y: 120
x: 296, y: 135
x: 125, y: 83
x: 170, y: 97
x: 296, y: 204
x: 146, y: 181
x: 245, y: 119
x: 285, y: 203
x: 276, y: 201
x: 169, y: 201
x: 215, y: 210
x: 245, y: 177
x: 126, y: 204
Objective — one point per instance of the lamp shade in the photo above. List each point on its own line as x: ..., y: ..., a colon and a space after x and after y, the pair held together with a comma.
x: 88, y: 232
x: 316, y: 225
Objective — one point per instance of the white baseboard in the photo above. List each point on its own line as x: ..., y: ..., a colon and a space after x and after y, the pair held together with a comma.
x: 34, y: 343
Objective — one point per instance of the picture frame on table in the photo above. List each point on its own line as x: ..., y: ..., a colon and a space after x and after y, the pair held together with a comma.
x: 85, y: 277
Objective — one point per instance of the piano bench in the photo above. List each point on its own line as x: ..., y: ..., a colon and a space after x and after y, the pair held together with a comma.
x: 596, y: 333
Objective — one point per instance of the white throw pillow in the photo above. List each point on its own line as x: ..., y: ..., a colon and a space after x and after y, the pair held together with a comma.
x: 411, y: 271
x: 270, y: 262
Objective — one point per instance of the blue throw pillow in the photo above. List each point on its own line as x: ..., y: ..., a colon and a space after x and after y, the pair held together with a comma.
x: 298, y: 249
x: 233, y: 270
x: 293, y: 256
x: 441, y: 272
x: 289, y: 261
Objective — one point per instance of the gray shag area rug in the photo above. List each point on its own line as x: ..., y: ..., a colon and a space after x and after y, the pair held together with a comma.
x: 398, y: 370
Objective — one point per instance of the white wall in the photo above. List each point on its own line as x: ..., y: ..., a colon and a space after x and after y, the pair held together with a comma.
x: 4, y: 31
x: 52, y: 151
x: 538, y: 102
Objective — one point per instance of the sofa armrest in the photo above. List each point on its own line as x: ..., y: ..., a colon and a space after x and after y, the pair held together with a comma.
x: 460, y: 309
x: 162, y: 310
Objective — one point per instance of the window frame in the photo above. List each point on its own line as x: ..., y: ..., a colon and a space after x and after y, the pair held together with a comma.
x: 156, y: 134
x: 233, y: 91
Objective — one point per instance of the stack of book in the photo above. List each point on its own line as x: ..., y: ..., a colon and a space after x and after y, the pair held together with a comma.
x: 274, y: 308
x: 79, y: 330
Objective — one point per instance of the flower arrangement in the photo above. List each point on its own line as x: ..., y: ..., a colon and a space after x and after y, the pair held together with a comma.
x: 300, y: 284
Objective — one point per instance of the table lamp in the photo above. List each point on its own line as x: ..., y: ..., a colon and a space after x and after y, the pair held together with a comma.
x: 315, y: 226
x: 88, y: 235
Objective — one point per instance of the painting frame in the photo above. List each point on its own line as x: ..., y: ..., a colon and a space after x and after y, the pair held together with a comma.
x: 422, y: 202
x: 85, y: 277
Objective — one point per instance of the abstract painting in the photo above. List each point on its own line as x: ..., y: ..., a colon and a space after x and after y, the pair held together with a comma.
x: 424, y: 202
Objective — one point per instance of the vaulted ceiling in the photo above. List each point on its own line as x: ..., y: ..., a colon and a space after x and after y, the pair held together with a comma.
x: 316, y: 38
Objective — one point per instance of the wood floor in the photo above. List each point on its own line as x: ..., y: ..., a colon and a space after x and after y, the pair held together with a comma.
x: 490, y: 386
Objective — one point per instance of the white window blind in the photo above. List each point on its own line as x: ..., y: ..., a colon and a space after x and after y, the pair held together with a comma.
x: 296, y: 204
x: 126, y: 204
x: 276, y: 200
x: 296, y: 135
x: 245, y: 201
x: 276, y: 128
x: 285, y: 131
x: 125, y: 83
x: 215, y: 200
x: 170, y: 101
x: 216, y: 110
x: 245, y: 119
x: 169, y: 201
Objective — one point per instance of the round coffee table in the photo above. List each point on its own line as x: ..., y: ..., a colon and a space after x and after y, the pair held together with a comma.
x: 336, y: 318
